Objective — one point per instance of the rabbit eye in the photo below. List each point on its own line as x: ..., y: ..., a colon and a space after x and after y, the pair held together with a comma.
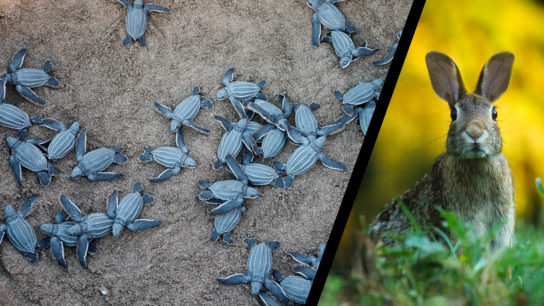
x: 494, y: 114
x: 453, y: 114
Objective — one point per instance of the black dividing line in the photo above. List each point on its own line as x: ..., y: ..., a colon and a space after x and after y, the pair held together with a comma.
x: 366, y: 150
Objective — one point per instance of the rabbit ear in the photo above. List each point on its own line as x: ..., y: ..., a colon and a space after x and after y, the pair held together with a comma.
x: 445, y: 77
x: 495, y: 76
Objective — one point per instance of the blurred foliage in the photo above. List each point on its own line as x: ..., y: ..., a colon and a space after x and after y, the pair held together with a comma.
x: 414, y: 129
x: 427, y: 272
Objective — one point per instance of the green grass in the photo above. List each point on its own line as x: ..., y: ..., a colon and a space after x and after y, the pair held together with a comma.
x: 426, y: 272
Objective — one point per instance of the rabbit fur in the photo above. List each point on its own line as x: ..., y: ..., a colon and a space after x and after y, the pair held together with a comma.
x: 472, y: 177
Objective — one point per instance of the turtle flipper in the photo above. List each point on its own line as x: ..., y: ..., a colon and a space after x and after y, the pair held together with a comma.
x: 330, y: 163
x: 363, y: 51
x: 268, y: 300
x: 16, y: 170
x: 224, y: 122
x: 81, y: 147
x: 82, y: 248
x: 236, y: 170
x: 166, y: 174
x: 17, y: 61
x: 52, y: 82
x: 316, y: 30
x: 119, y: 158
x: 180, y: 143
x: 47, y: 66
x: 275, y: 288
x: 58, y: 250
x: 52, y: 124
x: 155, y: 8
x: 196, y: 127
x: 239, y: 108
x: 235, y: 279
x: 147, y: 156
x: 142, y: 224
x: 365, y: 115
x: 141, y: 41
x: 25, y: 208
x: 228, y: 206
x: 32, y: 256
x: 103, y: 176
x: 307, y: 272
x: 3, y: 81
x: 228, y: 77
x: 71, y: 208
x: 127, y: 41
x: 124, y: 2
x: 350, y: 29
x: 93, y: 247
x: 206, y: 104
x: 29, y: 94
x: 113, y: 202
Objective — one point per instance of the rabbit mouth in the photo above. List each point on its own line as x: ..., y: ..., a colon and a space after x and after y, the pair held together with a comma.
x: 475, y: 151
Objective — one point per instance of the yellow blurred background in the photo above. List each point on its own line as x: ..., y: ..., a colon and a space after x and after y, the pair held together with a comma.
x: 414, y: 129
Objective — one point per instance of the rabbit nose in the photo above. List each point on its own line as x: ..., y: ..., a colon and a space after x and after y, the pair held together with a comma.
x: 475, y: 130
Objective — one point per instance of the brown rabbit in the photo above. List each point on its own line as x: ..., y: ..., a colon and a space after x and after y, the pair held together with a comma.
x: 472, y: 178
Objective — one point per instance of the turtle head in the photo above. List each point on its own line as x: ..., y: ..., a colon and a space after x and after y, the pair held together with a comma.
x: 189, y: 162
x: 222, y: 94
x: 174, y: 125
x: 345, y: 61
x: 76, y: 172
x: 116, y: 229
x: 11, y: 141
x: 313, y: 3
x: 252, y: 193
x: 48, y: 229
x: 10, y: 211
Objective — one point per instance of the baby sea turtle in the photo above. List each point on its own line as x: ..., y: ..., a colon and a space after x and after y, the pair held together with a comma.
x: 391, y: 53
x: 173, y: 158
x: 304, y: 158
x: 238, y: 91
x: 328, y: 15
x: 223, y: 224
x: 87, y: 228
x: 59, y: 237
x: 25, y: 79
x: 129, y: 209
x: 20, y: 233
x: 185, y: 112
x: 136, y: 20
x: 272, y: 135
x: 228, y: 194
x: 259, y: 267
x: 63, y: 142
x: 345, y: 48
x: 93, y: 163
x: 15, y: 118
x: 359, y: 94
x: 27, y: 154
x: 236, y: 134
x: 306, y: 124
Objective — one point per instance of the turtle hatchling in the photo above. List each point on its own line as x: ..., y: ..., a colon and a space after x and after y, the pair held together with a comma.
x: 173, y: 158
x: 93, y: 163
x: 328, y: 15
x: 25, y: 79
x: 345, y: 48
x: 129, y: 209
x: 258, y: 174
x: 359, y: 94
x: 223, y: 224
x: 228, y: 194
x: 185, y: 111
x: 87, y: 228
x: 259, y: 267
x: 136, y: 20
x: 236, y: 134
x: 15, y: 118
x: 28, y: 155
x: 20, y: 233
x: 238, y: 91
x: 306, y: 124
x: 59, y: 237
x: 304, y: 158
x: 62, y: 143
